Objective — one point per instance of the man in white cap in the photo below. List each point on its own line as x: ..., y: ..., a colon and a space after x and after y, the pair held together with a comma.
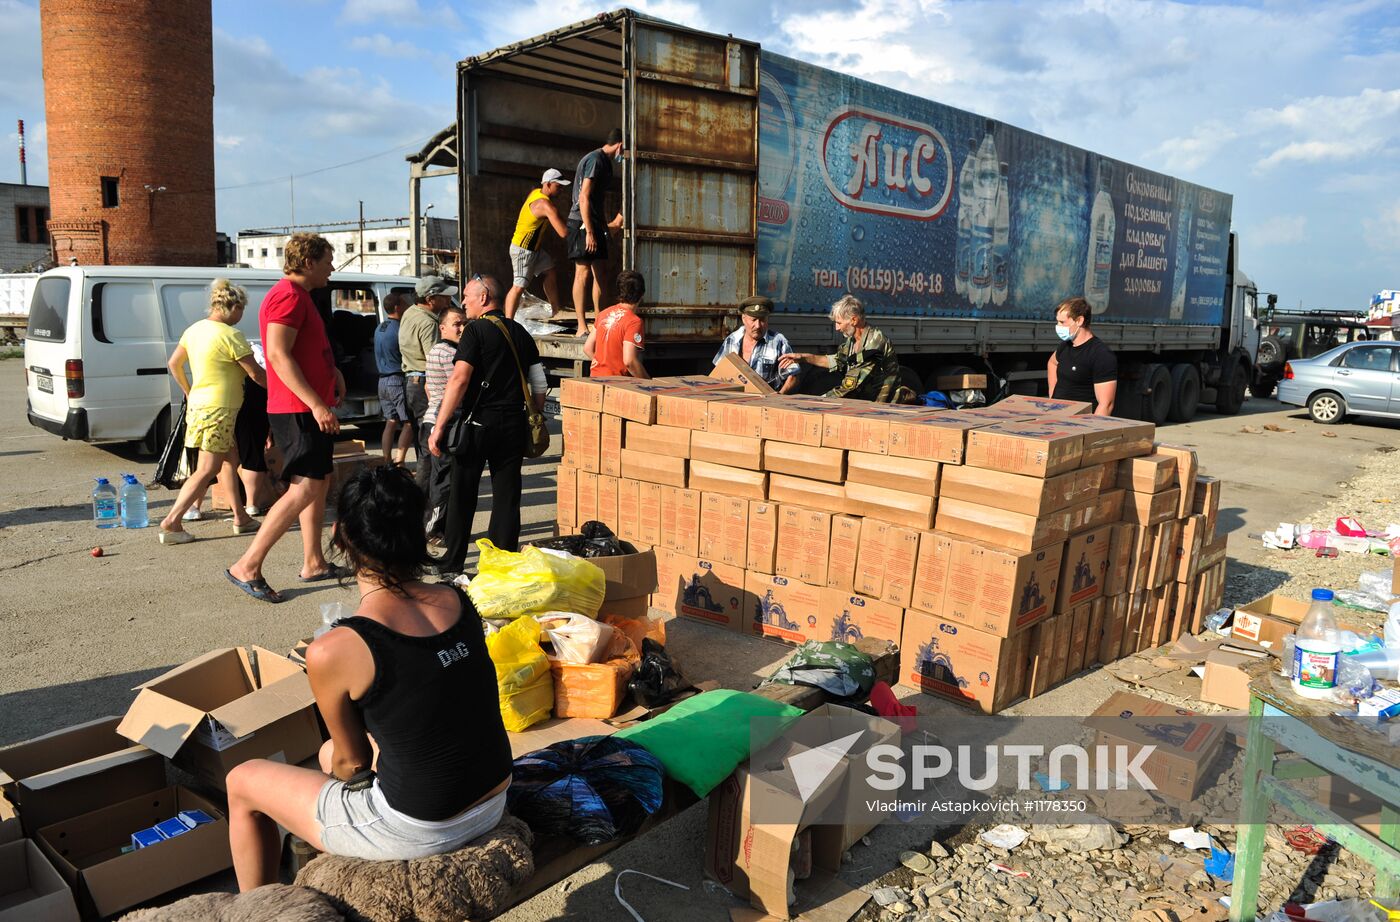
x: 528, y: 260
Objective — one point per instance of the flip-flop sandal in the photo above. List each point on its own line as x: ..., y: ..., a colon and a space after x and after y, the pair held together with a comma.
x: 257, y: 588
x: 335, y: 572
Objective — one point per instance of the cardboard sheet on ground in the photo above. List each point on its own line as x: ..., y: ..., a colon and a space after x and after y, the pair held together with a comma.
x: 556, y: 730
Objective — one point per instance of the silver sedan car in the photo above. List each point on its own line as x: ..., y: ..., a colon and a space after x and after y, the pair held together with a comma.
x: 1361, y: 378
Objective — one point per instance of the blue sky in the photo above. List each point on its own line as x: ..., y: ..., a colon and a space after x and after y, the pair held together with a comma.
x: 1291, y: 106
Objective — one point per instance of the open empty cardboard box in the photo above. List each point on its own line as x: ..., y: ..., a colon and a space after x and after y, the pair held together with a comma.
x: 72, y: 771
x: 30, y: 889
x: 87, y: 850
x: 224, y: 708
x: 757, y: 813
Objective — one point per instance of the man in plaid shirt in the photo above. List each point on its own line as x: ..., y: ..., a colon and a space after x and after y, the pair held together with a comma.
x: 759, y: 346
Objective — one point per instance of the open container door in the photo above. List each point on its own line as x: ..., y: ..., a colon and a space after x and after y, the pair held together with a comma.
x: 690, y: 114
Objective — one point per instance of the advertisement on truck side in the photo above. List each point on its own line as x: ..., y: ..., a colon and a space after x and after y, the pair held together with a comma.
x: 920, y: 208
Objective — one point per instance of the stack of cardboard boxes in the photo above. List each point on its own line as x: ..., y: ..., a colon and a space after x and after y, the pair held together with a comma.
x: 1004, y: 548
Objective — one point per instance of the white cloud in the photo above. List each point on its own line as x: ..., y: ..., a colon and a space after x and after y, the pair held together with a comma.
x: 1383, y: 231
x: 386, y: 47
x: 228, y: 141
x: 1331, y: 127
x: 399, y: 13
x: 1283, y: 230
x: 514, y: 22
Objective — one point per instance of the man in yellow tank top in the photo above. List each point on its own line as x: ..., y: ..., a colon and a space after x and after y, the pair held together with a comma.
x: 528, y: 260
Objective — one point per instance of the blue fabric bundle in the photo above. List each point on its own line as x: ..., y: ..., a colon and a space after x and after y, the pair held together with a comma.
x: 592, y: 789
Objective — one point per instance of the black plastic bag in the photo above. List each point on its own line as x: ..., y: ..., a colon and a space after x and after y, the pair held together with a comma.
x: 656, y: 680
x: 170, y: 472
x: 593, y: 540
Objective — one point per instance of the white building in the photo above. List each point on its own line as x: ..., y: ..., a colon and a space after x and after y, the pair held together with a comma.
x: 385, y: 248
x: 24, y: 226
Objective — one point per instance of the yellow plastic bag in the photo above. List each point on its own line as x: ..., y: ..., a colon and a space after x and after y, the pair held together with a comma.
x: 523, y: 680
x: 509, y: 585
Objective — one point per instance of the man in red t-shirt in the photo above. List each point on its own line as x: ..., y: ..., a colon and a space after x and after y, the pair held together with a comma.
x: 616, y: 342
x: 303, y: 385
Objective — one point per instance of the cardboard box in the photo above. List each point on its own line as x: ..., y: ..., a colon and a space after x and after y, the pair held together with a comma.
x: 607, y: 502
x: 583, y: 432
x: 11, y: 830
x: 628, y: 575
x: 671, y: 441
x: 610, y: 446
x: 827, y: 464
x: 1190, y: 540
x: 1035, y: 449
x: 741, y: 416
x: 781, y: 607
x: 86, y: 850
x: 1163, y: 612
x: 31, y: 890
x: 1207, y: 502
x: 724, y: 529
x: 662, y: 469
x: 750, y: 852
x: 1150, y: 508
x: 794, y: 422
x: 587, y: 510
x: 1164, y: 553
x: 1184, y: 744
x: 1108, y: 439
x: 1044, y: 406
x: 913, y: 510
x: 687, y: 409
x: 1079, y: 637
x: 998, y: 590
x: 699, y: 589
x: 1147, y: 474
x: 998, y: 526
x: 1059, y: 650
x: 931, y: 572
x: 347, y: 466
x: 566, y: 502
x: 1098, y: 616
x: 815, y: 494
x: 1084, y: 568
x: 942, y: 436
x: 732, y: 367
x: 960, y: 663
x: 804, y: 544
x: 1187, y: 468
x: 735, y: 481
x: 649, y: 513
x: 728, y: 450
x: 680, y: 520
x: 1224, y: 681
x: 1115, y: 622
x: 1039, y: 646
x: 629, y: 511
x: 1212, y: 551
x: 866, y: 427
x: 908, y: 475
x: 224, y: 708
x: 845, y: 549
x: 1033, y: 496
x: 762, y: 547
x: 74, y: 770
x: 585, y: 393
x: 635, y: 399
x: 1106, y: 509
x: 886, y: 563
x: 849, y: 617
x: 960, y: 382
x: 1120, y: 559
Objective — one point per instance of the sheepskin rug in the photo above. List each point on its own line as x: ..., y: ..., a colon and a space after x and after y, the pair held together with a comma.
x: 273, y: 903
x: 472, y: 883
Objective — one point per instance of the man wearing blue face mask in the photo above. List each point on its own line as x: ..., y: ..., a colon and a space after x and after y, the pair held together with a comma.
x: 1083, y: 367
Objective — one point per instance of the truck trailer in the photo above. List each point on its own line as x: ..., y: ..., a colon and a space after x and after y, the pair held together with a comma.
x: 747, y: 172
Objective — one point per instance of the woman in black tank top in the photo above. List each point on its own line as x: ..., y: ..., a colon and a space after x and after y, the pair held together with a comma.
x: 410, y: 670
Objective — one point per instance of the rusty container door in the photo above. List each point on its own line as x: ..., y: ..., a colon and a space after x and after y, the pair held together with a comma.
x: 692, y: 123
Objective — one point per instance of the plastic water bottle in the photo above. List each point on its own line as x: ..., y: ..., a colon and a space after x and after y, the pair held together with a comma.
x: 966, y: 194
x: 1098, y: 268
x: 105, y: 505
x: 134, y: 514
x: 1001, y: 241
x: 1317, y: 649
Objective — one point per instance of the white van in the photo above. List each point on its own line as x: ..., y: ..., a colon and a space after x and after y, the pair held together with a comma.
x: 99, y: 339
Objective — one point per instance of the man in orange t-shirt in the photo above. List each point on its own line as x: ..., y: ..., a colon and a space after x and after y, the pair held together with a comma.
x: 616, y: 342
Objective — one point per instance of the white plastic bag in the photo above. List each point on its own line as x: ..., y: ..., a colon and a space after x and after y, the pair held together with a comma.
x: 575, y: 638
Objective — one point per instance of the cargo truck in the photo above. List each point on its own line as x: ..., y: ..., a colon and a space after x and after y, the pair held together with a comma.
x: 749, y: 172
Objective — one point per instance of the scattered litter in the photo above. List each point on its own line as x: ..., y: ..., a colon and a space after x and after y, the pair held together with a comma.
x: 1092, y: 835
x: 1252, y: 430
x: 938, y: 849
x: 1276, y: 428
x: 617, y: 889
x: 1220, y: 864
x: 1329, y: 435
x: 1003, y: 869
x: 1306, y: 839
x: 865, y: 840
x: 1348, y: 526
x: 1004, y: 836
x: 917, y: 862
x: 715, y: 888
x: 888, y: 896
x: 1043, y: 780
x: 1190, y: 838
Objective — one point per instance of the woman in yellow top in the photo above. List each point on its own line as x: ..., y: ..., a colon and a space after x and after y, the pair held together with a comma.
x: 220, y: 357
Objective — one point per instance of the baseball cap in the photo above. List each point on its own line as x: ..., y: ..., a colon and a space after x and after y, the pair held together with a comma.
x: 553, y: 175
x: 756, y: 306
x: 430, y: 285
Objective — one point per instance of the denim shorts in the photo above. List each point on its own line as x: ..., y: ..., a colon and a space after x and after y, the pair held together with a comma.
x: 361, y: 824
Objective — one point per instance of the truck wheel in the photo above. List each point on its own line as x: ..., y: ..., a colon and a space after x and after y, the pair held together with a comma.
x: 159, y: 434
x: 1156, y: 393
x: 1229, y: 396
x: 1186, y: 393
x: 1271, y: 354
x: 1263, y: 386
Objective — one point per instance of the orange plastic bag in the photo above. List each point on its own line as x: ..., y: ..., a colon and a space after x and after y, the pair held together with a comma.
x: 638, y: 629
x: 595, y: 689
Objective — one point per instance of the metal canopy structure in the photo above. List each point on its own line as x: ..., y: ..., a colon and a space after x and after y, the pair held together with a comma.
x: 437, y: 158
x: 585, y: 57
